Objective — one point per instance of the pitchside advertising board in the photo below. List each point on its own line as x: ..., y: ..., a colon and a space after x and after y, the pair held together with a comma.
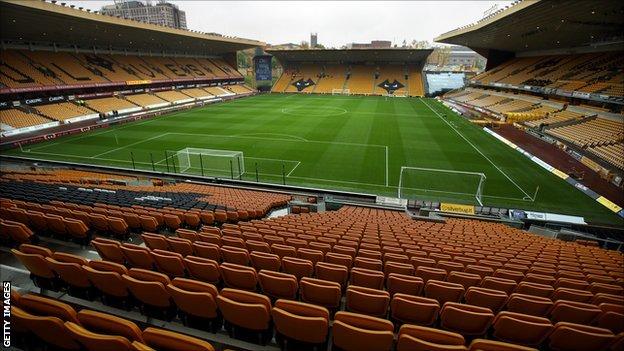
x: 263, y: 67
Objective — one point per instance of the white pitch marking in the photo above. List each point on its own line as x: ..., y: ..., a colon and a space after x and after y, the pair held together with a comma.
x: 286, y: 135
x: 125, y: 146
x: 479, y: 151
x: 292, y: 170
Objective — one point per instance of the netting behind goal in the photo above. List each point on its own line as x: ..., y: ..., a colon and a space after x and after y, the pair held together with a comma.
x: 211, y: 162
x: 341, y: 92
x: 442, y: 184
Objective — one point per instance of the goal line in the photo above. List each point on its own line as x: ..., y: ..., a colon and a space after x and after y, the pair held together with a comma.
x: 418, y: 181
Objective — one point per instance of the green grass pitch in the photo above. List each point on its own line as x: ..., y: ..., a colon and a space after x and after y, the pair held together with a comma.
x: 348, y: 143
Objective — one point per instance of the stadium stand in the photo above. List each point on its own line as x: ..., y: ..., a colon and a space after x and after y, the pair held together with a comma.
x: 612, y: 153
x: 555, y: 117
x: 595, y: 132
x: 332, y: 77
x: 357, y: 71
x: 282, y: 82
x: 63, y: 111
x: 217, y: 91
x: 145, y: 100
x: 40, y: 68
x: 109, y: 259
x: 415, y: 81
x: 239, y: 89
x: 360, y: 79
x: 485, y: 262
x: 391, y: 73
x: 195, y: 93
x: 171, y: 95
x: 105, y: 105
x: 304, y: 72
x: 16, y: 118
x: 592, y: 73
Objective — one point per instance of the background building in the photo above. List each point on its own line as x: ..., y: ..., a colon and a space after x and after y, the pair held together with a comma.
x: 313, y: 40
x: 375, y: 44
x: 163, y: 13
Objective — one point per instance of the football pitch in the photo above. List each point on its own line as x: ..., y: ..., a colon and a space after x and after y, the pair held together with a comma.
x: 350, y: 143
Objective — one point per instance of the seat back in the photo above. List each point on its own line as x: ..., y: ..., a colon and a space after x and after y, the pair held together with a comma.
x: 239, y: 277
x: 106, y: 277
x: 414, y: 309
x: 267, y: 261
x: 109, y: 250
x: 367, y: 278
x: 405, y: 284
x: 47, y: 307
x: 367, y: 301
x: 137, y: 256
x: 418, y: 338
x: 148, y: 287
x: 332, y: 272
x: 50, y: 329
x: 444, y: 291
x: 465, y: 319
x: 320, y: 292
x: 492, y: 299
x: 203, y: 269
x: 182, y: 246
x: 193, y: 297
x: 570, y: 336
x: 108, y: 324
x: 278, y: 285
x: 165, y: 340
x: 168, y: 262
x: 356, y: 332
x: 97, y: 342
x: 69, y: 269
x: 520, y: 328
x: 245, y: 309
x: 529, y: 304
x: 301, y: 321
x: 298, y: 267
x: 35, y: 263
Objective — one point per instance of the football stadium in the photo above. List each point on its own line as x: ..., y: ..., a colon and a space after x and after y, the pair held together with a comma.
x: 165, y: 188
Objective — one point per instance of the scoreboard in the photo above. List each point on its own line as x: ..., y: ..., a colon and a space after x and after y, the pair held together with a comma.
x: 262, y: 64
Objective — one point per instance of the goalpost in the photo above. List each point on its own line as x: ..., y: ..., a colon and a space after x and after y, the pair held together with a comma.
x: 341, y: 92
x: 224, y: 163
x: 441, y: 183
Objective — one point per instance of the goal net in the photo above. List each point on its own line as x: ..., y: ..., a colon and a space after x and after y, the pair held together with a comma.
x: 341, y: 92
x: 213, y: 162
x: 445, y: 184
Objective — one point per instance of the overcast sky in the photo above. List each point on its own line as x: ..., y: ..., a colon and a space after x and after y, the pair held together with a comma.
x: 336, y: 22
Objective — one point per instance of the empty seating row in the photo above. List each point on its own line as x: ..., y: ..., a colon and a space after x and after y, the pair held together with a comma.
x: 15, y: 232
x: 493, y: 293
x: 77, y: 68
x: 63, y: 111
x: 108, y: 104
x: 410, y: 260
x: 155, y: 293
x: 241, y: 204
x: 19, y: 119
x: 58, y: 324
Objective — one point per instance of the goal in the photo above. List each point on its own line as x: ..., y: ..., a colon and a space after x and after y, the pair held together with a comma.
x: 341, y: 92
x: 441, y: 184
x: 214, y: 162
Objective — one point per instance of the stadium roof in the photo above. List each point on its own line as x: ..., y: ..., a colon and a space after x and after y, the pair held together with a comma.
x: 38, y: 21
x: 534, y: 25
x: 352, y: 55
